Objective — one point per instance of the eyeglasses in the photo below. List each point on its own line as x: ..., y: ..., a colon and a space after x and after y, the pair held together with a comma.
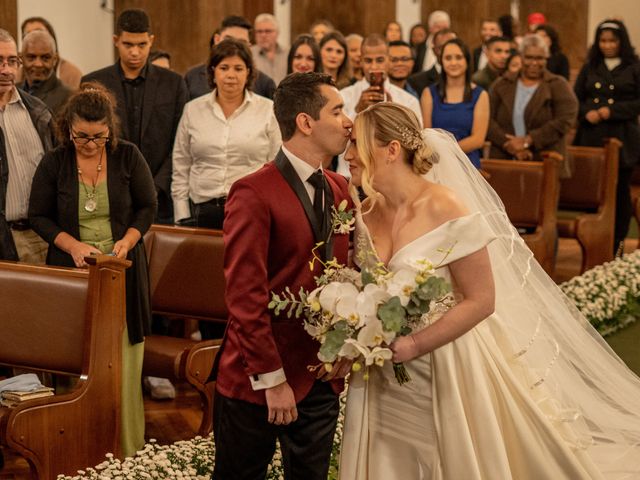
x: 11, y: 61
x: 99, y: 141
x: 532, y: 58
x: 400, y: 59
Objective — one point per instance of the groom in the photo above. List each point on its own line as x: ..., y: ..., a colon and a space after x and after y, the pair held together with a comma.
x: 273, y: 220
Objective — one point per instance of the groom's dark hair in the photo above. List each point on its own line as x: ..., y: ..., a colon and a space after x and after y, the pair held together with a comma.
x: 299, y: 93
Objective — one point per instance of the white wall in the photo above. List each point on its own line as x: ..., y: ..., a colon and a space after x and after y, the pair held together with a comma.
x: 408, y: 13
x: 84, y: 30
x: 626, y: 10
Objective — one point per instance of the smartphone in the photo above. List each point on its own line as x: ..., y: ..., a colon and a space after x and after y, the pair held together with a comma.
x: 376, y: 78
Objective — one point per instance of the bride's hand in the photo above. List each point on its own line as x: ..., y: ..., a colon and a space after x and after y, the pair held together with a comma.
x: 404, y: 349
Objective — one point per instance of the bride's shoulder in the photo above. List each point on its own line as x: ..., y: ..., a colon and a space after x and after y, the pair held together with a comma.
x: 440, y: 204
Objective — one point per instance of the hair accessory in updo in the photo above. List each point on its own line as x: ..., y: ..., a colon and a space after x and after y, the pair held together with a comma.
x: 409, y: 138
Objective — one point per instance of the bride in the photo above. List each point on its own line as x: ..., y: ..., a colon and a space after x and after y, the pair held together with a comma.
x: 511, y: 382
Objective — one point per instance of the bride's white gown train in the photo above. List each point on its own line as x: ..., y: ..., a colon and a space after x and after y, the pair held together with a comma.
x: 497, y: 403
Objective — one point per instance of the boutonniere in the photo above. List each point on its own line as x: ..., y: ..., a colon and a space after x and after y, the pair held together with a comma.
x: 342, y: 220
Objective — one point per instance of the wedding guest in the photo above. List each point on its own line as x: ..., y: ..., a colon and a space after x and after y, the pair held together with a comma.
x: 421, y: 80
x: 354, y: 52
x: 335, y: 62
x: 392, y: 32
x: 268, y: 55
x: 425, y: 56
x: 498, y: 50
x: 39, y: 59
x: 490, y: 28
x: 95, y: 194
x: 534, y: 20
x: 204, y: 165
x: 608, y: 89
x: 67, y: 72
x: 531, y: 112
x: 514, y: 63
x: 160, y: 58
x: 417, y: 35
x: 400, y: 65
x: 304, y: 55
x: 557, y: 62
x: 320, y: 28
x: 455, y: 104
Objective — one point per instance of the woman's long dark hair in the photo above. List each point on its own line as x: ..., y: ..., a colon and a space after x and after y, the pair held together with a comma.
x: 343, y: 78
x: 305, y: 39
x: 553, y: 36
x: 627, y: 52
x: 441, y: 85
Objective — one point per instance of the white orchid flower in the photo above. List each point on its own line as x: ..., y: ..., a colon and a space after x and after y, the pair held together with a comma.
x: 373, y: 335
x: 378, y: 356
x: 358, y: 308
x: 352, y: 349
x: 402, y: 284
x: 330, y: 295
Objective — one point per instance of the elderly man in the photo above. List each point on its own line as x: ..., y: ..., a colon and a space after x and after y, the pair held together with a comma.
x: 40, y: 57
x: 268, y: 55
x: 425, y: 56
x: 25, y: 135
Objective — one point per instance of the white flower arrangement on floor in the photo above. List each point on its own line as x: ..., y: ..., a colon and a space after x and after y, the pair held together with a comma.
x: 609, y: 294
x: 188, y: 460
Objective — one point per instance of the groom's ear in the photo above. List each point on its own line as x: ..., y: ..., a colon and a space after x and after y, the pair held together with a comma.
x: 304, y: 123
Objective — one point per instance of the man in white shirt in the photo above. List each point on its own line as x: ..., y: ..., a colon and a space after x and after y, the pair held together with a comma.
x: 268, y: 55
x: 360, y: 95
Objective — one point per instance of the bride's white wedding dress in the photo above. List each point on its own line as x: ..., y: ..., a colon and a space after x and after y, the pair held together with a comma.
x: 531, y: 392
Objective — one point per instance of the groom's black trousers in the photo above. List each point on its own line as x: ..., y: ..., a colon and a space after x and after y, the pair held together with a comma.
x: 245, y: 441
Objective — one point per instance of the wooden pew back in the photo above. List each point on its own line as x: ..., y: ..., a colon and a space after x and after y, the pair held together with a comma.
x: 529, y: 191
x: 68, y: 321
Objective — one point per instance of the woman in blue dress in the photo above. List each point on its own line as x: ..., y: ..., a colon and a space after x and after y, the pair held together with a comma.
x: 455, y: 104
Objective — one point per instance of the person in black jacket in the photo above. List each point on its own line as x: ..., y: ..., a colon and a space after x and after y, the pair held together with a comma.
x: 608, y: 89
x: 557, y: 62
x: 95, y: 194
x: 149, y: 99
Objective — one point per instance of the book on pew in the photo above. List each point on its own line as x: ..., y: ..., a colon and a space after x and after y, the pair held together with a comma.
x: 13, y: 397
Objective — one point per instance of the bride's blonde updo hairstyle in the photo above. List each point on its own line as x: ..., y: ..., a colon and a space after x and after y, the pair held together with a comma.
x: 379, y: 125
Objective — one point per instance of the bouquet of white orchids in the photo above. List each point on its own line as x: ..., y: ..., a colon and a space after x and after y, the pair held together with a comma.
x: 357, y: 314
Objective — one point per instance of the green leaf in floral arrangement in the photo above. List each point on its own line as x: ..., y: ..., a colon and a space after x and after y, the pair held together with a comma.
x: 392, y: 315
x: 417, y: 306
x: 433, y: 289
x: 334, y: 340
x: 367, y: 277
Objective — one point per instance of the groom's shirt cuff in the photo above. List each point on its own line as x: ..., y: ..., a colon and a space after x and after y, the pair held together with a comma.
x: 267, y: 380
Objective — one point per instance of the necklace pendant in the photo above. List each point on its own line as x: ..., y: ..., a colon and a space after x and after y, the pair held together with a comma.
x: 90, y: 205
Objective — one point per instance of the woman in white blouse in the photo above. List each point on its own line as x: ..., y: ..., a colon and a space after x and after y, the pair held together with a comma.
x: 221, y: 137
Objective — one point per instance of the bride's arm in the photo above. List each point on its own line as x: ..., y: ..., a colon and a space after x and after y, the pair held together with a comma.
x: 474, y: 280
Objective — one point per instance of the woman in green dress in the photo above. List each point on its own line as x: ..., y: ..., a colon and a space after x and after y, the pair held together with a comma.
x: 95, y: 194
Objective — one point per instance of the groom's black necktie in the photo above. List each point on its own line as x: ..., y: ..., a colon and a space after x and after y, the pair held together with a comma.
x: 317, y: 180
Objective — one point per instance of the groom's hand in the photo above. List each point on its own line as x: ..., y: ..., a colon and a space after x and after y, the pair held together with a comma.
x: 282, y: 404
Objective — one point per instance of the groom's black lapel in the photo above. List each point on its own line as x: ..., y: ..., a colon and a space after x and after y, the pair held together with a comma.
x: 292, y: 178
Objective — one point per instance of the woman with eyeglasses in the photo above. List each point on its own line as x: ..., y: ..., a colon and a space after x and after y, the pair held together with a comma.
x: 531, y: 111
x: 94, y: 194
x: 608, y: 89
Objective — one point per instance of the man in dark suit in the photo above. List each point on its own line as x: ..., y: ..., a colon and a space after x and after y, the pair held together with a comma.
x: 149, y: 101
x: 273, y: 219
x: 237, y: 28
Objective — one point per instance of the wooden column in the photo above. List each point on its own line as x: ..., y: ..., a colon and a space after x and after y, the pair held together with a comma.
x: 9, y: 16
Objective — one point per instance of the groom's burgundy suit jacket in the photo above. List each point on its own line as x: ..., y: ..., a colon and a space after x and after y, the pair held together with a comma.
x: 268, y: 239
